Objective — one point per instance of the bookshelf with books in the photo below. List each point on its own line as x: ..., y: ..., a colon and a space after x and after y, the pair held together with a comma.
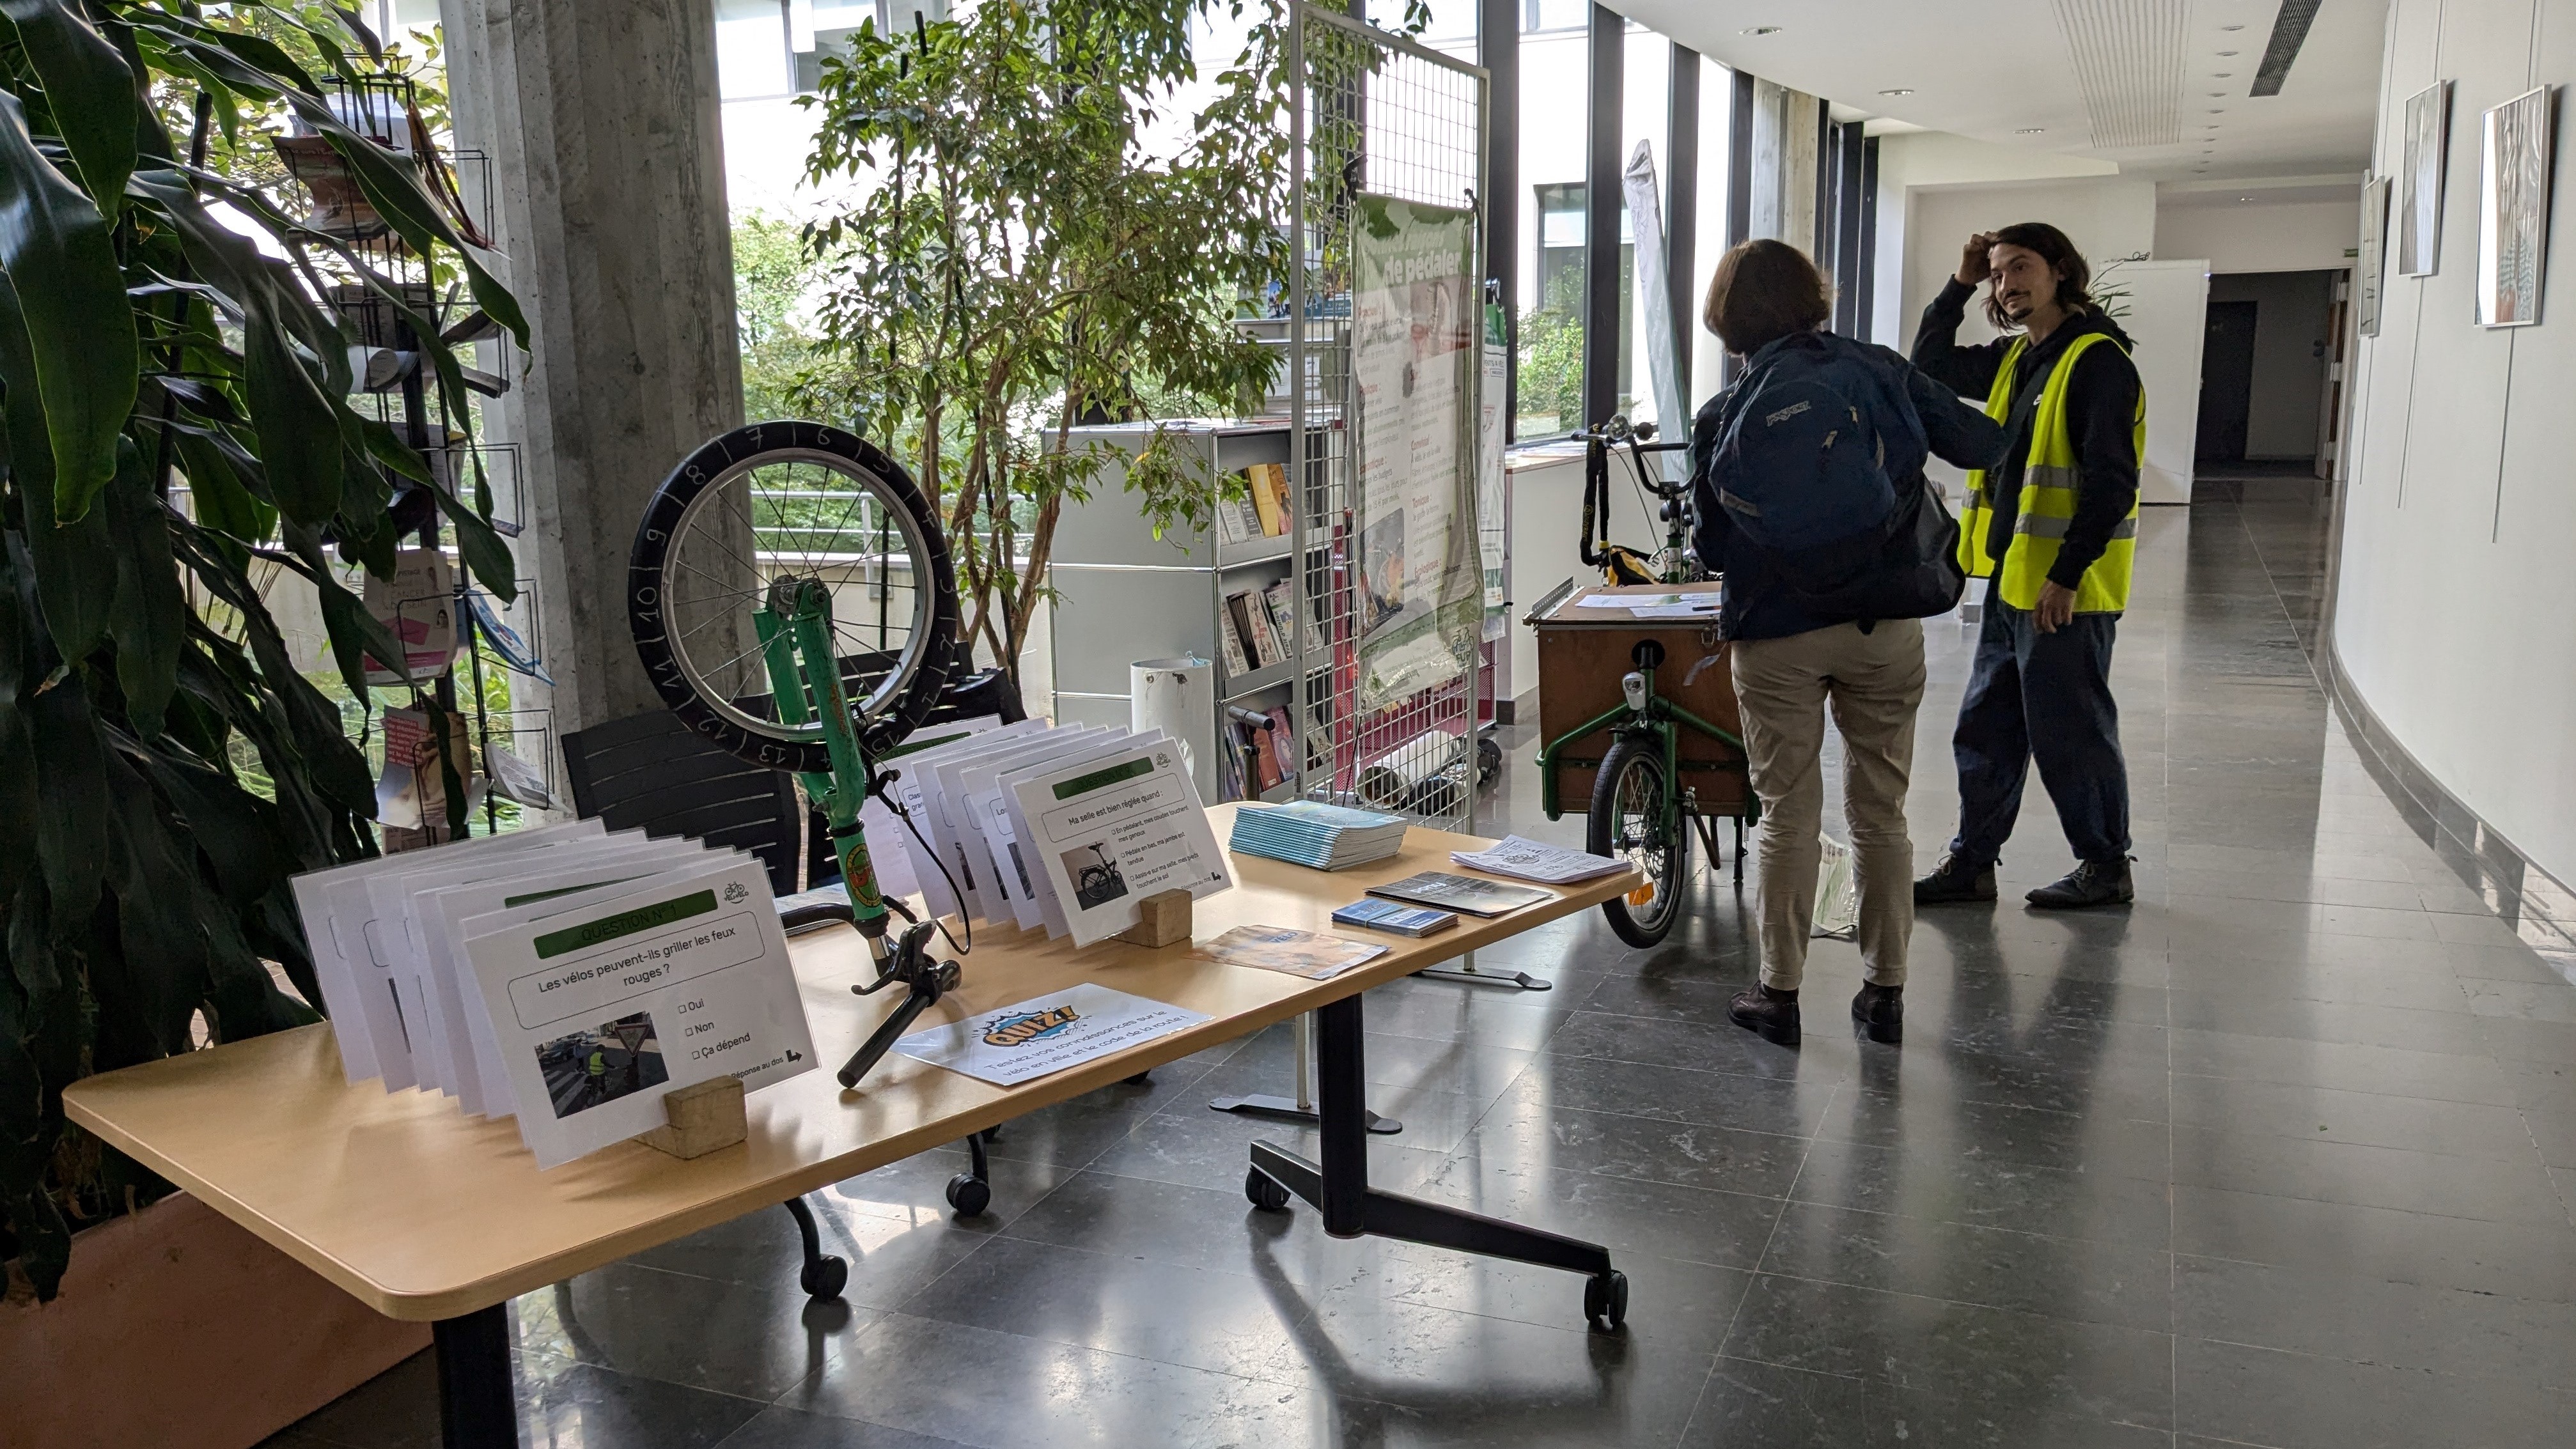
x: 1221, y: 591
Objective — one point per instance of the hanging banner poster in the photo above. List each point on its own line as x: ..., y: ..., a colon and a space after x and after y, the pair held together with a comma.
x: 1490, y: 503
x: 1415, y: 366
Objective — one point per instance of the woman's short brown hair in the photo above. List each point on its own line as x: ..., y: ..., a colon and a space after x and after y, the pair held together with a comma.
x: 1765, y: 290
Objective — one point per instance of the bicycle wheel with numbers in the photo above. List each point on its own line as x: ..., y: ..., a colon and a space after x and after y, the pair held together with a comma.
x: 774, y: 502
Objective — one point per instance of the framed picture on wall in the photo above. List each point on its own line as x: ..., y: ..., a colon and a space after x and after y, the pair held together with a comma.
x: 2419, y: 181
x: 2513, y: 208
x: 2367, y: 264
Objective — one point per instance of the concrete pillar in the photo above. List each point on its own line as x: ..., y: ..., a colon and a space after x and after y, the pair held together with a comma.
x: 606, y: 139
x: 1784, y: 165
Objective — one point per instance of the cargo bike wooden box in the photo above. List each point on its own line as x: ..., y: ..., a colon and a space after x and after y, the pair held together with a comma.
x: 1637, y: 717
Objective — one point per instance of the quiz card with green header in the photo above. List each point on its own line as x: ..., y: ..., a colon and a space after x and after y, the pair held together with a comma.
x: 1117, y: 828
x: 602, y: 1010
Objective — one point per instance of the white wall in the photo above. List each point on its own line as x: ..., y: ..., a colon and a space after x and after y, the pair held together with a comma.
x: 2302, y: 236
x: 2105, y: 217
x: 2456, y: 610
x: 1915, y: 160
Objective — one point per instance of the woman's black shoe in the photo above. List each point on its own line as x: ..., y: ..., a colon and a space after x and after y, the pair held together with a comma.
x: 1881, y: 1012
x: 1774, y: 1014
x: 2094, y: 883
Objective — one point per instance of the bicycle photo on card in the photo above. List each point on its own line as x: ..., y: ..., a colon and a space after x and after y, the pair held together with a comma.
x: 612, y: 1060
x: 1096, y: 880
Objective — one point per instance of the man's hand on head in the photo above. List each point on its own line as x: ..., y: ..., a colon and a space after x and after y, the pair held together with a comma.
x: 1973, y: 266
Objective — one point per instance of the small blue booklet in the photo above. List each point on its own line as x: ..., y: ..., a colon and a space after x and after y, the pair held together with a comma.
x: 1403, y: 920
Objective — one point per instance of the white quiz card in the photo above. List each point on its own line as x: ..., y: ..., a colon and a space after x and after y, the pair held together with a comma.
x: 1113, y: 830
x: 1045, y: 1034
x: 601, y: 1010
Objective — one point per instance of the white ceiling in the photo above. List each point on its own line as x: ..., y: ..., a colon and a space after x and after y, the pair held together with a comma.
x: 1992, y: 68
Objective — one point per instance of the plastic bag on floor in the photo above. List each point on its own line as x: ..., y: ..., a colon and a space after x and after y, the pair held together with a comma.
x: 1837, y: 913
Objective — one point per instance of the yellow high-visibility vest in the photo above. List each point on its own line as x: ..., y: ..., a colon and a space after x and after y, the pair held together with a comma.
x: 2048, y: 498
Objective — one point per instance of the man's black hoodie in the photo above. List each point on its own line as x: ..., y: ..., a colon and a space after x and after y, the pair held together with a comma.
x: 2101, y: 410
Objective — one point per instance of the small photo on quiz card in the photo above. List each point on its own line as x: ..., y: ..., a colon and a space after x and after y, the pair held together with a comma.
x: 602, y: 1063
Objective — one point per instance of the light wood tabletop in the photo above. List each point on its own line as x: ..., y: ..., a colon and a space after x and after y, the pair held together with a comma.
x: 423, y: 1213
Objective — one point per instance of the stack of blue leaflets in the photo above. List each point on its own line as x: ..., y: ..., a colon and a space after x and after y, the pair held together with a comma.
x: 1326, y: 837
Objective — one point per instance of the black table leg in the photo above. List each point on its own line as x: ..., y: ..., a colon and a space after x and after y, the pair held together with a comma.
x: 477, y: 1404
x: 822, y: 1275
x: 1339, y: 1184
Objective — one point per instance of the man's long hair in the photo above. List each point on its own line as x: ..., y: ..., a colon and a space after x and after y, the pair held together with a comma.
x: 2074, y: 274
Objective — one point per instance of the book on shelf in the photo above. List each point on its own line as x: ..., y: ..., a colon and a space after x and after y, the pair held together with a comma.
x: 1251, y: 629
x: 1230, y: 645
x: 1269, y: 486
x: 1230, y: 527
x: 1283, y: 614
x: 1282, y: 741
x: 1269, y: 642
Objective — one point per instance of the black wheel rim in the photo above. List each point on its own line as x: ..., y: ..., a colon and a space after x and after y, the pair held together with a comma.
x: 1637, y: 834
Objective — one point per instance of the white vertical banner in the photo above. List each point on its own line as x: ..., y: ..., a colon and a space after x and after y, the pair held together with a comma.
x: 1415, y: 310
x: 1490, y: 441
x: 1646, y: 213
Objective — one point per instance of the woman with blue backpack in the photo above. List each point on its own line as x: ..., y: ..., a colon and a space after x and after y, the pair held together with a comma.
x: 1812, y: 506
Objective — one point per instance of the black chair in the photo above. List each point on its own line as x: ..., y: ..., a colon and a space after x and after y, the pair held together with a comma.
x: 650, y: 773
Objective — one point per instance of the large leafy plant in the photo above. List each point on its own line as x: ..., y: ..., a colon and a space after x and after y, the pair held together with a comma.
x: 163, y: 767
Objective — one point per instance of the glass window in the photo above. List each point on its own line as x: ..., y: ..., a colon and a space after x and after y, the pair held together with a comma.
x: 1537, y: 15
x: 1716, y: 149
x: 752, y: 58
x: 1554, y: 77
x: 1452, y: 27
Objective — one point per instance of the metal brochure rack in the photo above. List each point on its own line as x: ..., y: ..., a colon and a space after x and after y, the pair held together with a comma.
x: 1374, y: 116
x: 1377, y: 116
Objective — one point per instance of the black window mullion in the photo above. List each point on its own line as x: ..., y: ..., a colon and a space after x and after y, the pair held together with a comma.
x: 1681, y: 222
x: 1603, y: 306
x: 1867, y: 288
x: 1498, y: 50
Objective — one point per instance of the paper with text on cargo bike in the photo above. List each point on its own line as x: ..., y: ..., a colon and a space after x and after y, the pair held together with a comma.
x: 1110, y: 832
x: 602, y: 1010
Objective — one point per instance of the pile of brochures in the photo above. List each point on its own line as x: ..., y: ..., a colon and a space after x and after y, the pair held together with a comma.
x: 1522, y: 858
x: 565, y: 975
x: 1060, y: 828
x: 1327, y: 837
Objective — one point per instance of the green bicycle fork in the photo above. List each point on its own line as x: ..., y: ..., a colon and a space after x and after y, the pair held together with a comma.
x: 795, y: 624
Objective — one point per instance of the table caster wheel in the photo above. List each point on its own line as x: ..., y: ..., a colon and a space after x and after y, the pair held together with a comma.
x: 1141, y: 1079
x: 1605, y: 1301
x: 824, y: 1278
x: 970, y: 1195
x: 1264, y: 1194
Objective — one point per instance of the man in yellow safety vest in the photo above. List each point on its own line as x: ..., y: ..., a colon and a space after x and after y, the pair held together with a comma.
x: 2055, y: 530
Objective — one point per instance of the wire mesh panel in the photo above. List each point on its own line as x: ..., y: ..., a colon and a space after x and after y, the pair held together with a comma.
x: 1385, y: 372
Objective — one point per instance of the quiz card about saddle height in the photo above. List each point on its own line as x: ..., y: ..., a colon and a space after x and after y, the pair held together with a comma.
x: 1029, y: 1039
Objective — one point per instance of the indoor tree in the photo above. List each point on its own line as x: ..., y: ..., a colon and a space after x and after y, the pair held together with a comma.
x: 1022, y: 263
x: 163, y: 767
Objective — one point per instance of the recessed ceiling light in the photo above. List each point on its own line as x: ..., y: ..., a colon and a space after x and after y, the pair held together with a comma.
x: 1760, y: 30
x: 2227, y: 52
x: 2231, y: 27
x: 2218, y: 110
x: 2218, y: 95
x: 2029, y: 130
x: 1898, y: 91
x: 2225, y: 74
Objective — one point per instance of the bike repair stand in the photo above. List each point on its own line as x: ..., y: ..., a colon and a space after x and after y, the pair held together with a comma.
x: 795, y: 626
x: 1302, y: 1108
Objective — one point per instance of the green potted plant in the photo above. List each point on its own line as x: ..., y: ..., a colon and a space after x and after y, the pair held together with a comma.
x: 163, y: 766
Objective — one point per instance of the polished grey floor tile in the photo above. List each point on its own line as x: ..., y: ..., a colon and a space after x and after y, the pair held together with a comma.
x: 2294, y: 1401
x: 2370, y: 1119
x: 735, y: 1338
x: 1984, y: 1192
x: 2511, y: 1190
x: 2536, y: 1260
x: 2093, y: 1372
x: 1695, y: 1225
x: 777, y: 1427
x: 564, y: 1402
x: 2333, y: 1314
x: 2088, y: 1281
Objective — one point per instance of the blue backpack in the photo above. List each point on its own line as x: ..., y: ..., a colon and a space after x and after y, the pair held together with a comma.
x: 1802, y: 469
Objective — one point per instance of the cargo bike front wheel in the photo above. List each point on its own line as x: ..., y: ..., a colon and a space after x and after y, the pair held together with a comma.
x: 1637, y: 816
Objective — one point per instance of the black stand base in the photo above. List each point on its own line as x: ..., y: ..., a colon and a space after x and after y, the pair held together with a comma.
x: 823, y: 1275
x: 1338, y: 1186
x: 1285, y: 1109
x: 478, y: 1405
x: 1476, y: 976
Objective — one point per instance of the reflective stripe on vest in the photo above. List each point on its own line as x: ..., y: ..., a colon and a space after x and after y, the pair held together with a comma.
x: 2048, y: 494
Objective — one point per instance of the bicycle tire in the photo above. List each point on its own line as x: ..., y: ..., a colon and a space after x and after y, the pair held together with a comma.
x: 912, y: 686
x: 1647, y: 923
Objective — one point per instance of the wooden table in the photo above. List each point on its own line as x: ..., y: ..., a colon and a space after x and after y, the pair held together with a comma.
x: 422, y: 1212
